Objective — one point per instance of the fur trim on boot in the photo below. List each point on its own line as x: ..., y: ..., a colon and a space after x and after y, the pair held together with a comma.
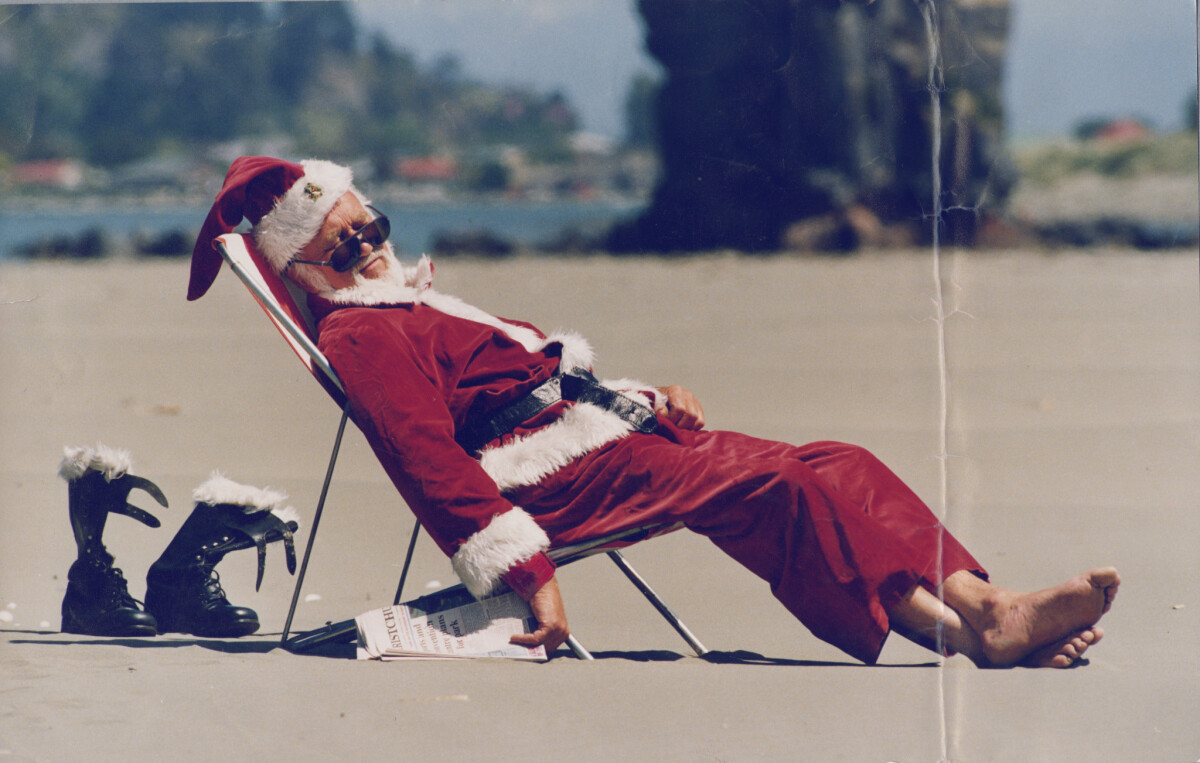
x: 183, y: 589
x: 97, y: 601
x: 79, y: 460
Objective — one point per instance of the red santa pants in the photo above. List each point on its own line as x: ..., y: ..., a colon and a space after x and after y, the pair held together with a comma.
x: 837, y: 535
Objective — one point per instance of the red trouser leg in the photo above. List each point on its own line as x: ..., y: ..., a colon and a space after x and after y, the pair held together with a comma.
x: 864, y: 481
x: 835, y: 533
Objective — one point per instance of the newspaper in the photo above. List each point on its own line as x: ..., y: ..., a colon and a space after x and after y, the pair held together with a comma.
x: 447, y: 625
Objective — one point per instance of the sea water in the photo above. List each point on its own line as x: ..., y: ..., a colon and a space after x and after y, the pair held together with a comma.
x: 414, y: 225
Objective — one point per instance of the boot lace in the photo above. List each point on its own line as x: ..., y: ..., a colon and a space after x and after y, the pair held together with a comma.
x: 116, y: 590
x: 211, y: 593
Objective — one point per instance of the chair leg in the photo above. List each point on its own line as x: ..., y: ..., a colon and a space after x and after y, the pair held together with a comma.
x: 578, y: 649
x: 407, y: 561
x: 620, y: 560
x: 312, y: 534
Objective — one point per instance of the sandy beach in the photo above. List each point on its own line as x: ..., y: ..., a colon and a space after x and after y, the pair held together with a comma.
x: 1072, y: 438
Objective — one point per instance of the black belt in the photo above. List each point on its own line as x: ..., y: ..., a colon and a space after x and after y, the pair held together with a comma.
x: 577, y: 386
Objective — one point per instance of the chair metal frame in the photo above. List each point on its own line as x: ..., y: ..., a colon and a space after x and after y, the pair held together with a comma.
x: 281, y: 306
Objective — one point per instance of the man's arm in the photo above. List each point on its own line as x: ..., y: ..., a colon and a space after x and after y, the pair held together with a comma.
x: 684, y: 410
x: 547, y: 606
x: 398, y: 399
x: 680, y: 406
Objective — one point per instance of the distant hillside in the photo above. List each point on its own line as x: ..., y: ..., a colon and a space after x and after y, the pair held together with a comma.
x: 1150, y: 179
x: 110, y: 84
x: 1154, y: 154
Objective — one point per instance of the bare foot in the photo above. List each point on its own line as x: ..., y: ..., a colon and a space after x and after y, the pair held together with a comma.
x: 1019, y: 625
x: 1064, y: 653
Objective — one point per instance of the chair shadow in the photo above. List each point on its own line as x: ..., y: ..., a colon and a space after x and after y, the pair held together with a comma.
x: 644, y: 655
x: 745, y: 657
x: 737, y: 657
x: 336, y: 651
x: 170, y: 641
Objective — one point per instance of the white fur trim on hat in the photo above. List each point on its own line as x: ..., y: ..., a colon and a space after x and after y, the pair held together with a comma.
x: 510, y: 538
x: 218, y: 490
x: 299, y: 214
x: 79, y: 460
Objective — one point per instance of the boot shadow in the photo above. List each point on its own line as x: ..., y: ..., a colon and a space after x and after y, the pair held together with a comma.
x: 169, y: 641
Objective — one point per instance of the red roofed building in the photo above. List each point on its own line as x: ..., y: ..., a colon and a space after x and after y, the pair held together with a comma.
x: 1122, y: 131
x: 427, y: 169
x: 49, y: 173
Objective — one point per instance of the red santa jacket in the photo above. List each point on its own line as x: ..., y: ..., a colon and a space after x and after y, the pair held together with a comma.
x: 418, y: 365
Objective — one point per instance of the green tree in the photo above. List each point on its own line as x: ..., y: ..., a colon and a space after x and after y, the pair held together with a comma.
x: 45, y: 78
x: 113, y: 83
x: 395, y: 100
x: 308, y: 33
x: 179, y: 73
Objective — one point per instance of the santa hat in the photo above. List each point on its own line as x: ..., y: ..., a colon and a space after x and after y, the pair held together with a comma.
x: 285, y: 202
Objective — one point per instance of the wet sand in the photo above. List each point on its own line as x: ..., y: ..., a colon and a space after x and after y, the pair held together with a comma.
x: 1072, y: 440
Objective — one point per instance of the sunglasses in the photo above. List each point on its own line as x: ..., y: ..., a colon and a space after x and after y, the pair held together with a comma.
x: 346, y: 253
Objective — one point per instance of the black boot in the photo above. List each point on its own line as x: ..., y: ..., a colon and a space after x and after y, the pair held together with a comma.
x: 183, y: 590
x: 97, y: 602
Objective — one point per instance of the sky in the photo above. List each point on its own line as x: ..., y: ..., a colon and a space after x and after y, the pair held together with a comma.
x: 1068, y: 59
x: 1076, y: 58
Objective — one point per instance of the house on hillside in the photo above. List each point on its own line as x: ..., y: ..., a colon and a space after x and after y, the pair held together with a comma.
x: 62, y: 174
x: 427, y: 169
x: 1122, y: 131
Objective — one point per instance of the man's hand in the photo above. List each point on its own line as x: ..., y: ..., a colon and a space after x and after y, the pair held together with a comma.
x: 547, y: 606
x: 681, y: 407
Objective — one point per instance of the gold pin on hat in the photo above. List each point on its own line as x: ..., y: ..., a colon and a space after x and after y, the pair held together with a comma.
x: 313, y: 191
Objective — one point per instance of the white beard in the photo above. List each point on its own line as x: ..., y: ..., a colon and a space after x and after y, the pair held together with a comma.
x: 398, y: 284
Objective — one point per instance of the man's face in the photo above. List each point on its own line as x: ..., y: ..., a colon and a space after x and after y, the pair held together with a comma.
x: 346, y: 217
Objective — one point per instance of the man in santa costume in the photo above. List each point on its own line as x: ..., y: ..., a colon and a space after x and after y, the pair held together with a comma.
x: 504, y: 445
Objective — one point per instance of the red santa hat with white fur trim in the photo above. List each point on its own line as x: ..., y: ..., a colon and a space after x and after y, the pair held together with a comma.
x: 285, y: 202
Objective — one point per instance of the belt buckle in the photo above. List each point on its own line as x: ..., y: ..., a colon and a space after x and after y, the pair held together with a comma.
x: 570, y: 386
x: 549, y: 392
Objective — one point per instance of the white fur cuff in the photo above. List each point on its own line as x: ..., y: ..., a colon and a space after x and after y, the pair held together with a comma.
x: 79, y: 460
x: 219, y: 490
x: 510, y: 538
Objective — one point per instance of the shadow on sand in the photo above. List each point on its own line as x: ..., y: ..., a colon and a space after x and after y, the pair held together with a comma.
x: 261, y: 645
x: 269, y: 642
x: 738, y: 657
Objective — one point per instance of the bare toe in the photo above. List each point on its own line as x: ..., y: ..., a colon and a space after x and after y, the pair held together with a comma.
x: 1039, y: 627
x: 1108, y: 580
x: 1064, y: 653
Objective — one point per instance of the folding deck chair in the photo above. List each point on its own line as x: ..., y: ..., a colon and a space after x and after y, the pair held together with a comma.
x: 285, y: 309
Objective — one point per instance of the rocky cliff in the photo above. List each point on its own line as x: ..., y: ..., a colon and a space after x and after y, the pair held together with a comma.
x: 776, y: 112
